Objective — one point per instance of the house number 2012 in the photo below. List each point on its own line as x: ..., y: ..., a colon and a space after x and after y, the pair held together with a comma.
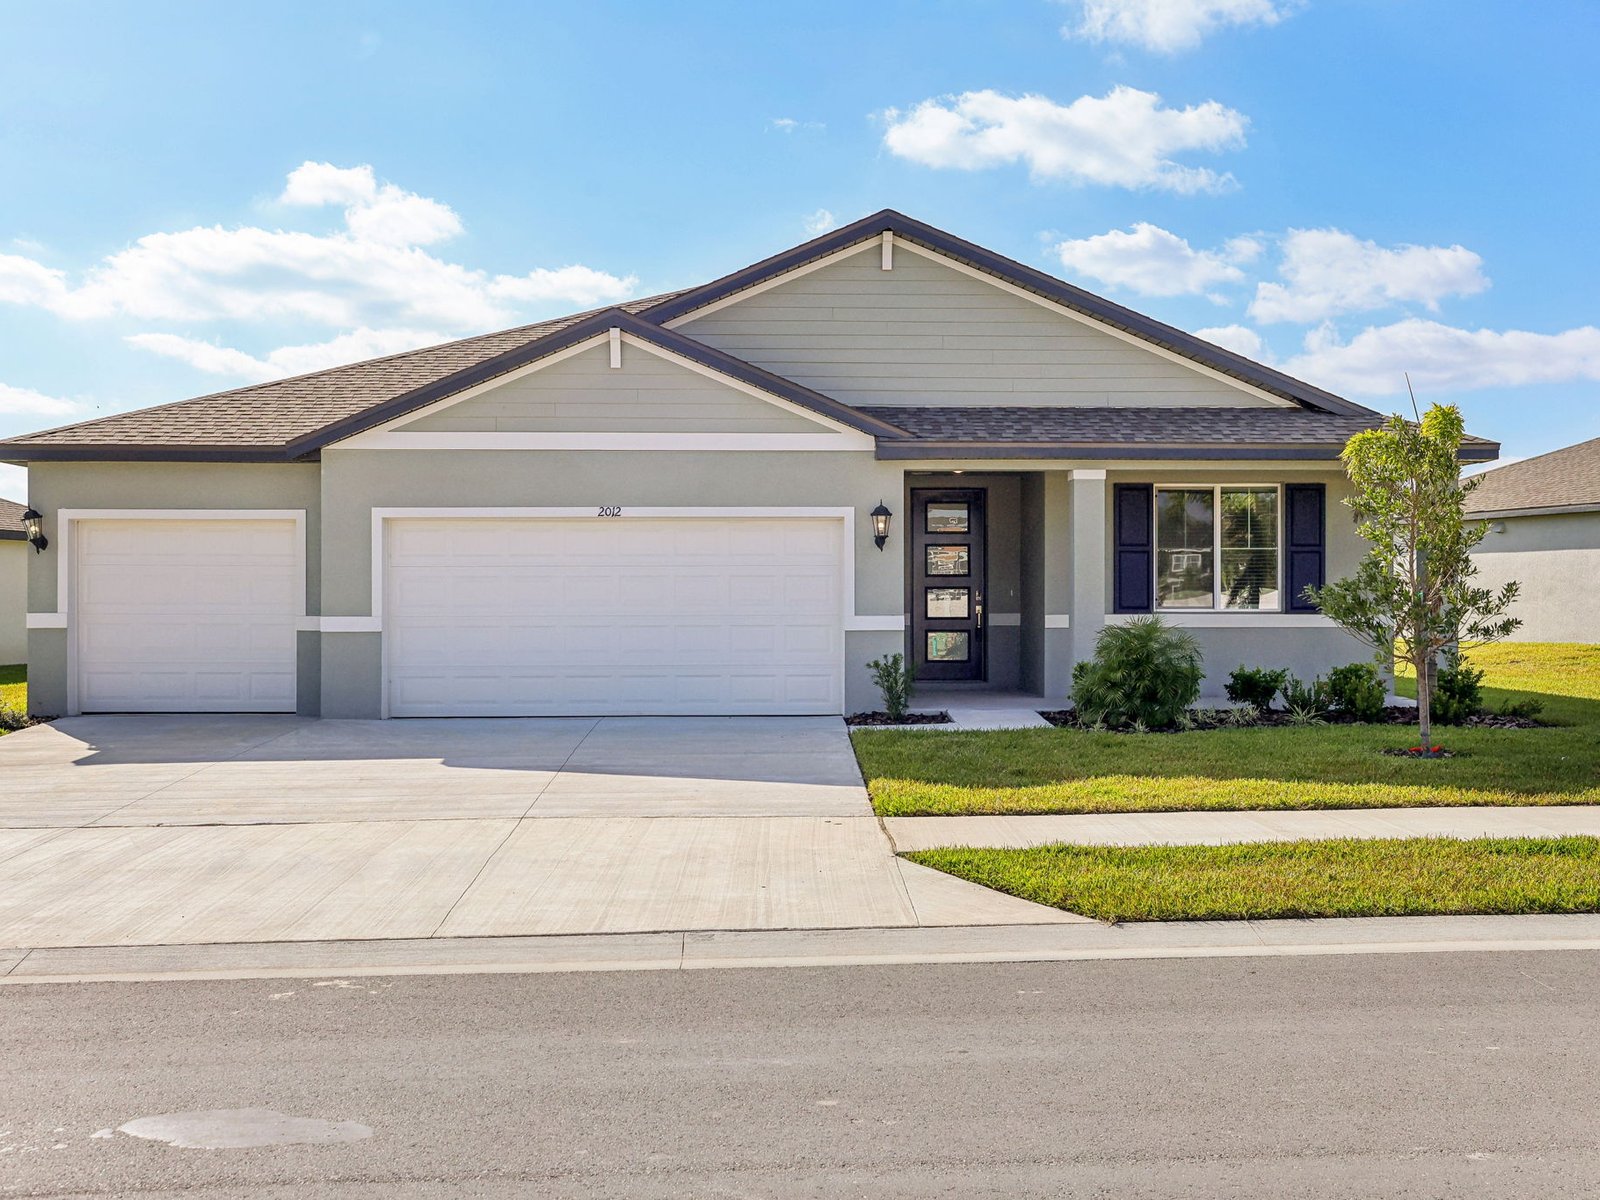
x: 607, y: 510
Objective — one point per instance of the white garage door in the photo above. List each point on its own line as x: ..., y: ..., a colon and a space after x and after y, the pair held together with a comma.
x: 591, y: 616
x: 186, y: 616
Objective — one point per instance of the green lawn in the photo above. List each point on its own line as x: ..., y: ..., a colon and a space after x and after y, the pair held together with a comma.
x: 14, y: 688
x: 923, y: 773
x: 1344, y: 878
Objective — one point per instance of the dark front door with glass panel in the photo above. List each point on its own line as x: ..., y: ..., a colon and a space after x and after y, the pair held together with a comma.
x: 947, y: 583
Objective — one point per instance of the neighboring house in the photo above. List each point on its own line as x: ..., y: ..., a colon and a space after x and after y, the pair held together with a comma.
x: 1544, y: 532
x: 667, y: 506
x: 14, y: 551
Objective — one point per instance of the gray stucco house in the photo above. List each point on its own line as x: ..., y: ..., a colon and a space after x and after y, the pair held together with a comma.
x: 14, y: 551
x: 1544, y: 532
x: 674, y: 505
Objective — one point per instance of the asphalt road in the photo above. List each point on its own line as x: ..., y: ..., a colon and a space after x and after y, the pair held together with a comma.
x: 1438, y: 1075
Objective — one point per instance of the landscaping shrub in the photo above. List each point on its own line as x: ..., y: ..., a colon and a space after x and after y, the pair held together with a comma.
x: 1304, y: 699
x: 1458, y: 693
x: 1255, y: 686
x: 1143, y: 673
x: 894, y: 677
x: 1526, y: 710
x: 1357, y: 690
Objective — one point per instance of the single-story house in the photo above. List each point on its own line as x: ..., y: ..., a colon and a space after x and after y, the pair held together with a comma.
x: 726, y: 499
x: 1544, y: 532
x: 14, y: 551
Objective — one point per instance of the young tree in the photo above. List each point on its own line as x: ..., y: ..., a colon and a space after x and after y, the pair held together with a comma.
x: 1412, y: 596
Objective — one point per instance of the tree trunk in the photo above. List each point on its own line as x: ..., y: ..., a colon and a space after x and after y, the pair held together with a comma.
x: 1425, y: 703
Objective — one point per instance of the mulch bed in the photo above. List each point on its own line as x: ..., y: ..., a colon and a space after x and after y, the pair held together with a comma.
x: 1217, y: 718
x: 883, y: 718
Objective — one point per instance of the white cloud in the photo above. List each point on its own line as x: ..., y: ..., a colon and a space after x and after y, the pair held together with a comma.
x: 1125, y: 138
x: 25, y: 402
x: 791, y: 125
x: 1152, y: 261
x: 1168, y: 26
x: 1328, y: 271
x: 1238, y: 338
x: 24, y: 281
x: 372, y: 273
x: 819, y: 222
x: 1441, y: 358
x: 350, y: 347
x: 13, y: 483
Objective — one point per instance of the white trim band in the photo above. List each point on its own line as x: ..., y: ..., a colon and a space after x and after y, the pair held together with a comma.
x: 55, y: 620
x: 679, y: 442
x: 1238, y: 619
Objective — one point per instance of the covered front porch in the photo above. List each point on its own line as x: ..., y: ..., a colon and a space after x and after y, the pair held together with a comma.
x: 1004, y: 586
x: 1011, y: 570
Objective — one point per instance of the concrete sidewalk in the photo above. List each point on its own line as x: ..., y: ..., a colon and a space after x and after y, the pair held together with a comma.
x: 1219, y: 828
x: 1082, y: 941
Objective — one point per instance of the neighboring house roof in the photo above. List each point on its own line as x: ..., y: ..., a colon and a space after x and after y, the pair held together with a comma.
x: 11, y: 529
x: 1566, y: 480
x: 1099, y: 432
x: 293, y: 419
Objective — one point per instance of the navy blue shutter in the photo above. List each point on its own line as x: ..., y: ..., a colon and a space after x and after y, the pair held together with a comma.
x: 1133, y: 570
x: 1306, y: 531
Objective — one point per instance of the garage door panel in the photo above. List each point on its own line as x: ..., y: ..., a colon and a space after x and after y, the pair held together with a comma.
x: 561, y: 616
x: 186, y: 615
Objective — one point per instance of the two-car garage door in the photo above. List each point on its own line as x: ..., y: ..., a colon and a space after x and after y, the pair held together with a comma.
x: 613, y: 615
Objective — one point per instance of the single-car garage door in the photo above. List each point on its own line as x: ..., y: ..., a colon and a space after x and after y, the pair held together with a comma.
x: 613, y: 615
x: 186, y: 615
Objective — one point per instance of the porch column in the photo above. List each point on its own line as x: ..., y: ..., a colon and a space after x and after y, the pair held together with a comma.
x: 1088, y: 540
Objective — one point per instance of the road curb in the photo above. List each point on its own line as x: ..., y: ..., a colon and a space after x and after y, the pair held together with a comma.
x: 766, y: 949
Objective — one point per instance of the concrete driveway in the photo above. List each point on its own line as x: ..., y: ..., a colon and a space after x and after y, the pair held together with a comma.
x: 149, y: 830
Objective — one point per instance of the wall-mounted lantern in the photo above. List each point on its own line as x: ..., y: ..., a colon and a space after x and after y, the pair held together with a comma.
x: 881, y: 517
x: 32, y: 520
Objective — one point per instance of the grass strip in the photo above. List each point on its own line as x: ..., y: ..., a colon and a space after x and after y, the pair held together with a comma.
x: 1348, y: 877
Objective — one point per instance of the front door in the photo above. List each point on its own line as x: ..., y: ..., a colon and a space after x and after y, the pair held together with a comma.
x: 947, y: 583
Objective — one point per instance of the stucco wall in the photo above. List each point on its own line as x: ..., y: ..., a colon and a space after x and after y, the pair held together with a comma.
x: 1308, y: 645
x: 1039, y: 521
x: 356, y: 481
x: 13, y: 601
x: 1556, y: 559
x: 53, y: 487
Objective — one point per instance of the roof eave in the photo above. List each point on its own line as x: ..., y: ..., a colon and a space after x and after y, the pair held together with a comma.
x: 22, y: 454
x: 1548, y: 510
x: 928, y: 448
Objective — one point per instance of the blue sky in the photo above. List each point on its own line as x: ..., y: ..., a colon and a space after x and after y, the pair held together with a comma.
x: 198, y: 196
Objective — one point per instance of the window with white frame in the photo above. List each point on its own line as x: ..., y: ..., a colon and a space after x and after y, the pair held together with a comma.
x: 1217, y: 547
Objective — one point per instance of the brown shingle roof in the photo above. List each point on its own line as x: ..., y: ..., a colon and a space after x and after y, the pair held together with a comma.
x: 278, y: 413
x: 1156, y: 428
x: 293, y: 418
x: 1566, y: 478
x: 11, y: 521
